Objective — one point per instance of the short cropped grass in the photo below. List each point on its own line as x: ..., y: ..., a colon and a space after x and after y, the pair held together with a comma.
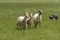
x: 9, y: 12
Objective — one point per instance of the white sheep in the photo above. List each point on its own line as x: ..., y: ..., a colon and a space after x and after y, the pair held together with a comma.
x: 21, y: 21
x: 37, y: 18
x: 24, y: 20
x: 29, y: 21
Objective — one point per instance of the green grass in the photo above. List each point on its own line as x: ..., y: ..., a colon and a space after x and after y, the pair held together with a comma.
x: 54, y: 1
x: 50, y: 30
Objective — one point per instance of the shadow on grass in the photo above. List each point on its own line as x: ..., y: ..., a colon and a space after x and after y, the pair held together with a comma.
x: 29, y: 28
x: 19, y: 29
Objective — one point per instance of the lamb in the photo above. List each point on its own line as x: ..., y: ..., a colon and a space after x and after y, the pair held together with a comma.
x: 21, y: 21
x: 29, y: 21
x: 37, y: 18
x: 24, y: 20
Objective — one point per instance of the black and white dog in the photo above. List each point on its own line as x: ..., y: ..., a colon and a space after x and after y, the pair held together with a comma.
x: 53, y: 17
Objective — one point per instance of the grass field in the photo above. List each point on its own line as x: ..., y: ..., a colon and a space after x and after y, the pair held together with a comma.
x: 29, y: 0
x: 50, y: 30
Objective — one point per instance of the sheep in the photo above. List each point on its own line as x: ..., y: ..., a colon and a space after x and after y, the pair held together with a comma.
x: 24, y: 20
x: 29, y: 21
x: 21, y: 21
x: 37, y: 18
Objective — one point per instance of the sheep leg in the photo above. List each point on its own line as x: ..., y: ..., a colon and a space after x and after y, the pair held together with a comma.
x: 23, y: 26
x: 26, y: 26
x: 36, y: 23
x: 18, y: 25
x: 29, y: 23
x: 29, y: 26
x: 39, y: 23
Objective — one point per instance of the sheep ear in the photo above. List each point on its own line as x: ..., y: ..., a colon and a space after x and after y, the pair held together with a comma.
x: 31, y: 14
x: 26, y: 14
